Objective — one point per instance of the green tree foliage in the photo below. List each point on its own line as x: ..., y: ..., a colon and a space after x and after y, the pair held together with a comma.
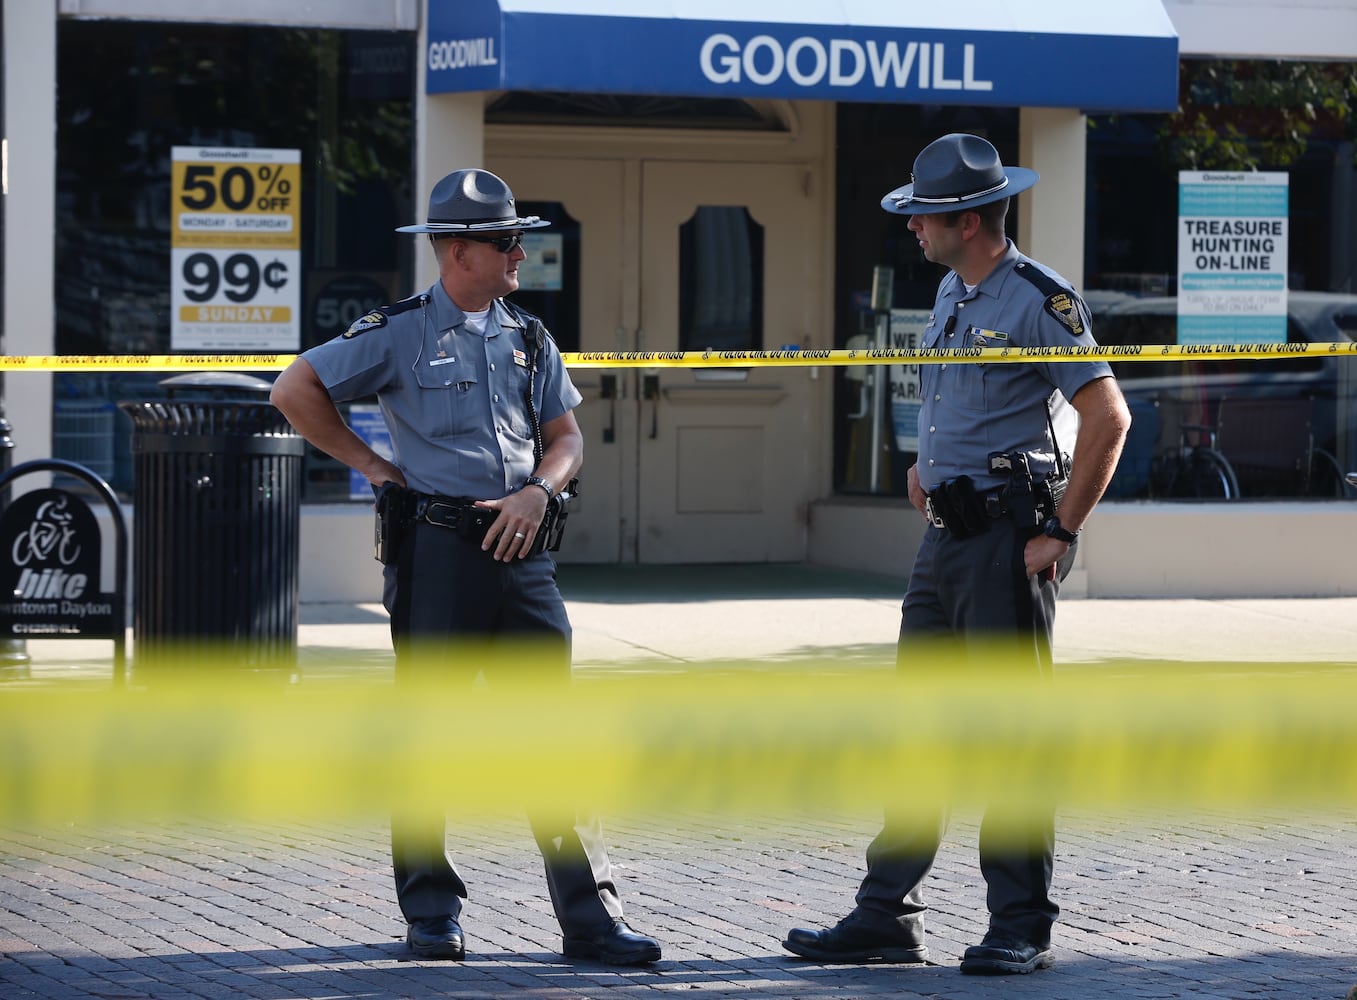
x: 1256, y: 114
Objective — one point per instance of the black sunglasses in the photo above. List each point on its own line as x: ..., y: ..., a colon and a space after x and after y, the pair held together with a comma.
x: 504, y: 244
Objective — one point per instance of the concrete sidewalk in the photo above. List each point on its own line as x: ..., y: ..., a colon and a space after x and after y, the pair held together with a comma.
x: 665, y: 617
x: 1154, y: 905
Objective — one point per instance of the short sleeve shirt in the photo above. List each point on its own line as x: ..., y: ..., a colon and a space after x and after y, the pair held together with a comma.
x: 454, y: 400
x: 972, y: 410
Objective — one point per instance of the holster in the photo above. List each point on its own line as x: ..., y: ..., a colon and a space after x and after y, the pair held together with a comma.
x: 1027, y: 500
x: 552, y: 528
x: 390, y: 523
x: 1020, y: 498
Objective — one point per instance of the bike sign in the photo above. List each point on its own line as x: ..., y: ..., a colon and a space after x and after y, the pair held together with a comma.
x: 51, y: 576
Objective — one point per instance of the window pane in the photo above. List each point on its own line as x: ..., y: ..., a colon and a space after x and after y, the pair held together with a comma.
x: 127, y: 93
x: 549, y: 277
x: 1283, y: 428
x: 721, y: 280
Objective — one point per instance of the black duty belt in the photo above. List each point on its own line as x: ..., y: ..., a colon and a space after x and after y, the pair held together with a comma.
x: 967, y: 512
x: 458, y: 513
x: 398, y: 508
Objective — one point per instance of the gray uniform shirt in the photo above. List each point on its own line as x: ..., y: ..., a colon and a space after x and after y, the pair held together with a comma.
x: 453, y: 399
x: 970, y: 410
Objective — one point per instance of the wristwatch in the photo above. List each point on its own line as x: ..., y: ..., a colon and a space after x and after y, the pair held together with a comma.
x: 1055, y: 529
x: 539, y: 481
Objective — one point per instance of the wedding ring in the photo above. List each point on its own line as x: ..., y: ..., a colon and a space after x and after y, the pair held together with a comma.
x: 519, y: 534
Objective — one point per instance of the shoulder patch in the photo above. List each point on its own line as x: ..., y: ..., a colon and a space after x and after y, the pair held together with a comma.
x: 377, y: 318
x: 370, y: 321
x: 1062, y: 306
x: 1062, y: 303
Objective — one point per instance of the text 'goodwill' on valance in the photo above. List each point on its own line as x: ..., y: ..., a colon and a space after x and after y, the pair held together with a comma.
x: 1120, y: 56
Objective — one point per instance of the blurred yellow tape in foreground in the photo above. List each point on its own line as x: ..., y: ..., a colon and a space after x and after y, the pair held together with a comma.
x: 734, y: 741
x: 731, y: 359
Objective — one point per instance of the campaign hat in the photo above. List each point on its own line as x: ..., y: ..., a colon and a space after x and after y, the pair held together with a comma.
x: 957, y: 171
x: 472, y: 201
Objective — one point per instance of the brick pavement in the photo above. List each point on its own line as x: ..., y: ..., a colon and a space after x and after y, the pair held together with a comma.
x: 1155, y: 906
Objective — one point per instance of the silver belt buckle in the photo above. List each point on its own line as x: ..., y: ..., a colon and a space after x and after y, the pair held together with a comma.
x: 932, y: 516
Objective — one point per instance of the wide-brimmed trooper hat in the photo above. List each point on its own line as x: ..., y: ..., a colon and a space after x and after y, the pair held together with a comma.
x: 956, y: 172
x: 472, y: 201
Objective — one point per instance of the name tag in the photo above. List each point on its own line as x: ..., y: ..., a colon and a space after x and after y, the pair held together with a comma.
x: 442, y: 361
x: 980, y: 338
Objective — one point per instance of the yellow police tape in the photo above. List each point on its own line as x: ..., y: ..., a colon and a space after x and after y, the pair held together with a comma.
x: 144, y: 362
x: 731, y: 359
x: 820, y: 737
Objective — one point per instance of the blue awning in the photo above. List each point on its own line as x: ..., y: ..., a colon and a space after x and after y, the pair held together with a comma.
x: 1089, y: 54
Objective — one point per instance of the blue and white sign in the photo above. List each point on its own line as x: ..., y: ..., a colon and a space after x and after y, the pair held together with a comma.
x: 1059, y: 53
x: 368, y: 423
x: 1232, y: 257
x: 907, y: 331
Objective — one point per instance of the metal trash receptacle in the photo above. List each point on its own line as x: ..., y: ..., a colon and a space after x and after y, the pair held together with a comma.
x: 215, y: 528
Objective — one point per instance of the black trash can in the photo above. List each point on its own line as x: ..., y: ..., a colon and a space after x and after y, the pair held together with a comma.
x: 215, y: 528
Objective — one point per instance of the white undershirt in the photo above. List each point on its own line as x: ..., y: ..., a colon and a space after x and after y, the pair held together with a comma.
x: 475, y: 321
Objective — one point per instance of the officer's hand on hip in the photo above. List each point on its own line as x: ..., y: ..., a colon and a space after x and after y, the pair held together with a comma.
x: 917, y: 496
x: 380, y: 471
x: 511, y: 534
x: 1042, y: 553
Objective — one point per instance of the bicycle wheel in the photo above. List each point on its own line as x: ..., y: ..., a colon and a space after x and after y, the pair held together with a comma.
x: 1211, y: 475
x: 1327, y: 478
x: 1201, y: 474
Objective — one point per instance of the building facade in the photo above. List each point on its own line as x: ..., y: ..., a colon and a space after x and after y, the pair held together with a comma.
x: 713, y: 179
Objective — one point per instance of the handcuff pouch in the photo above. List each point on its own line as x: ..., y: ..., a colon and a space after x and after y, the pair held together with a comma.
x: 962, y: 507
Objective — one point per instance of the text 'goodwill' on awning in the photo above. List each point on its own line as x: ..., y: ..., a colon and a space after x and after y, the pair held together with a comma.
x: 1119, y: 56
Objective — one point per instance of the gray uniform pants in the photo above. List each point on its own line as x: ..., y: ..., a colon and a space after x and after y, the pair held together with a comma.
x: 971, y: 590
x: 443, y: 587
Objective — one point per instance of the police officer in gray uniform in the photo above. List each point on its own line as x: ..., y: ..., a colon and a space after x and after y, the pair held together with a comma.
x: 1005, y: 506
x: 480, y: 411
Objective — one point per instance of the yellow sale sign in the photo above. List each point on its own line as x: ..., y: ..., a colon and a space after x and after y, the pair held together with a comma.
x: 235, y: 249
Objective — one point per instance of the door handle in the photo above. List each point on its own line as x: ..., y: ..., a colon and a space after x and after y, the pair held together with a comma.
x: 650, y: 390
x: 608, y: 391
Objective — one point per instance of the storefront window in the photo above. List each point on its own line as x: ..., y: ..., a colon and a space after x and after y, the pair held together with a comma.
x: 1209, y: 429
x: 1276, y: 429
x: 875, y: 434
x: 1231, y: 429
x: 129, y: 95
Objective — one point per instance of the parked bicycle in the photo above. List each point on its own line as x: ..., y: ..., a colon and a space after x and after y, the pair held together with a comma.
x: 1196, y: 470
